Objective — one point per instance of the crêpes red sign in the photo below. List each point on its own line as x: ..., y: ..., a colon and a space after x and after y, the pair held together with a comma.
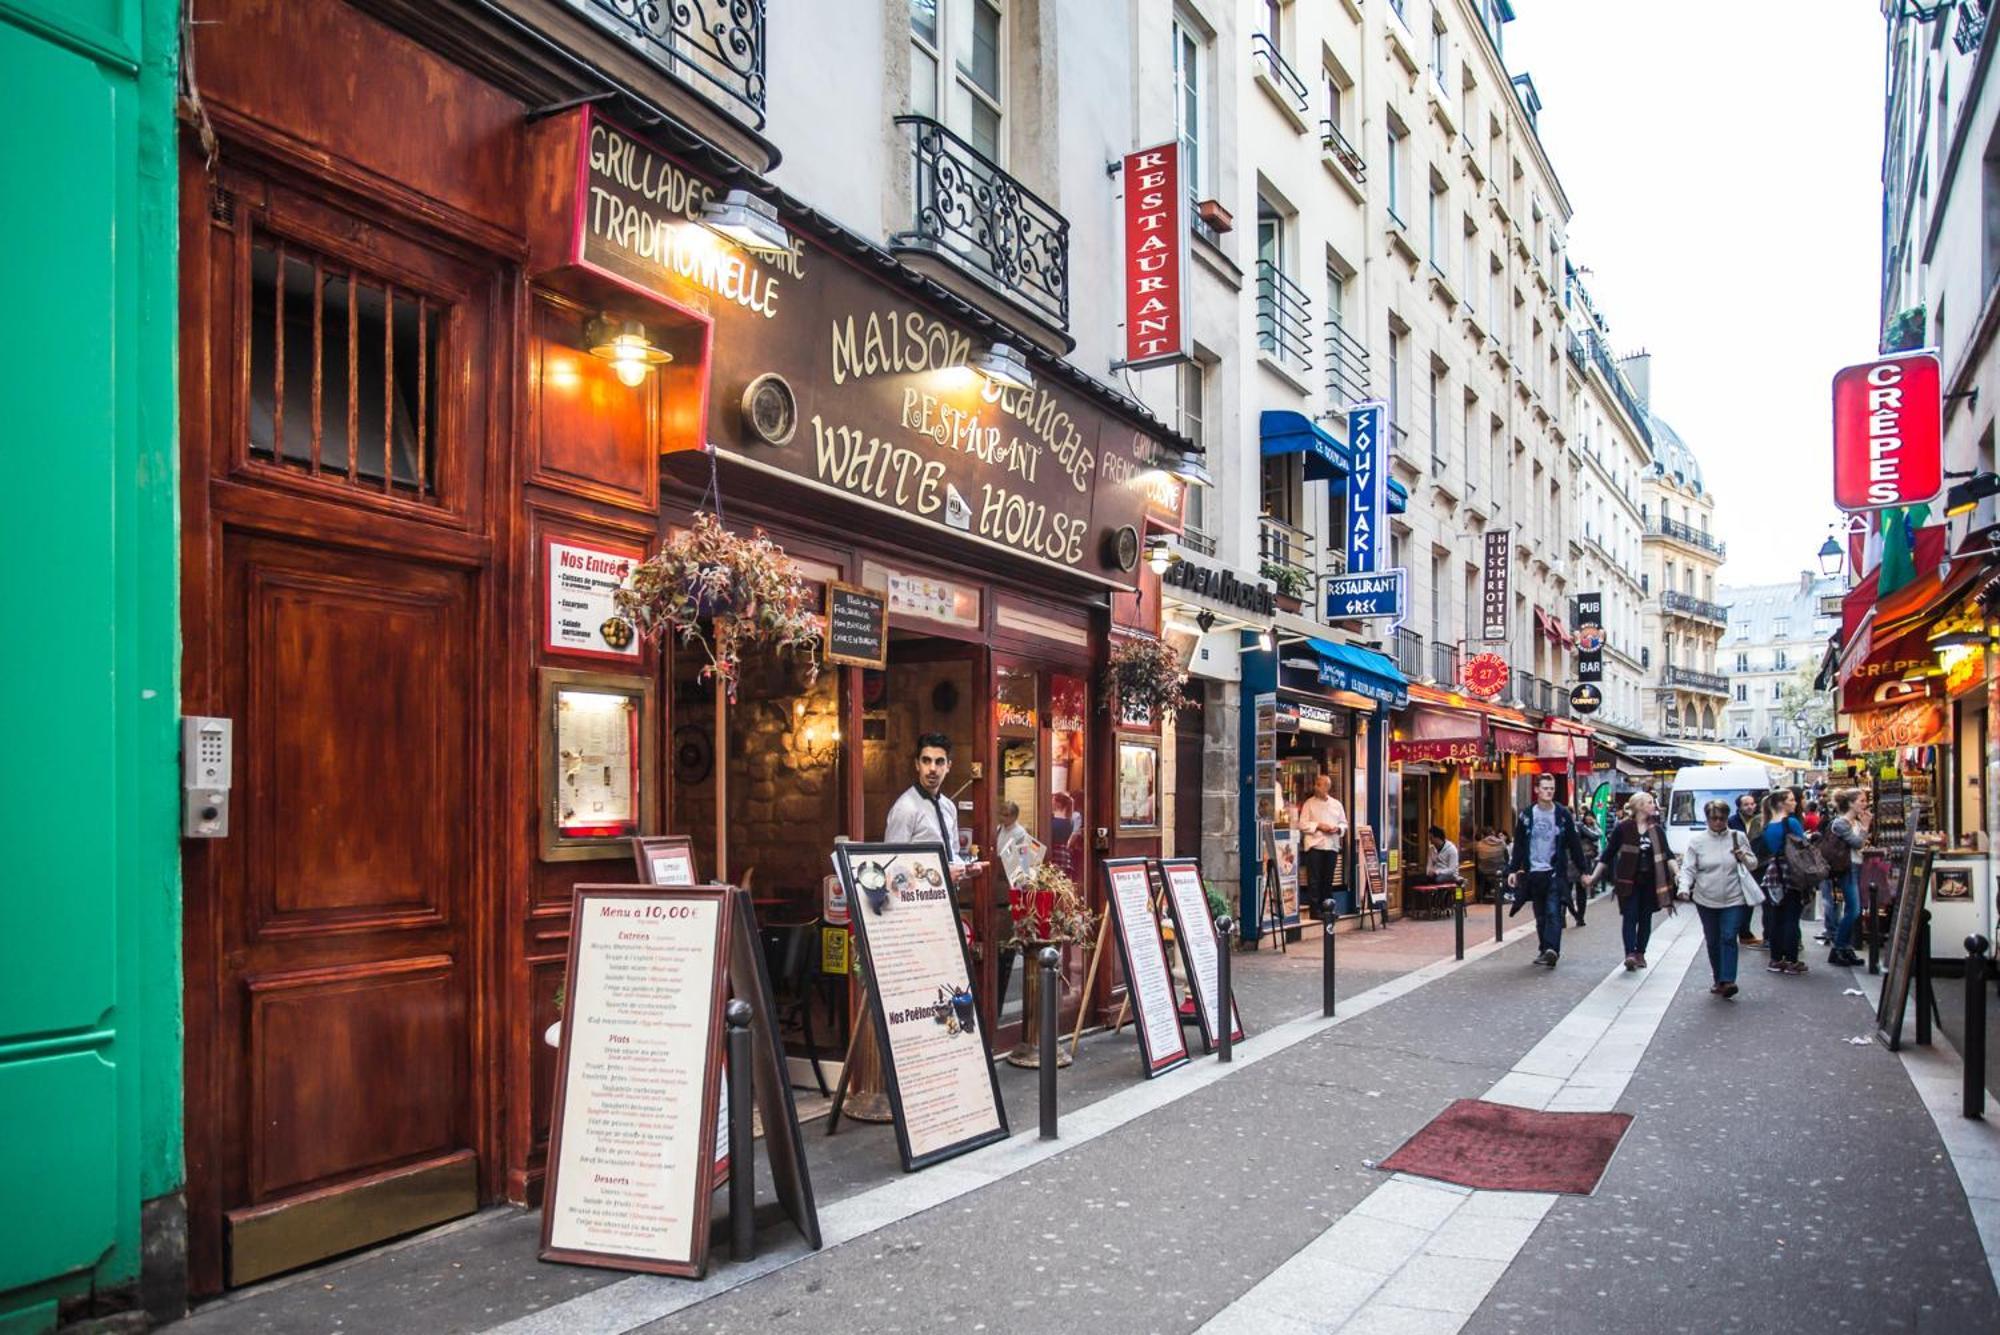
x: 1155, y: 256
x: 1888, y: 433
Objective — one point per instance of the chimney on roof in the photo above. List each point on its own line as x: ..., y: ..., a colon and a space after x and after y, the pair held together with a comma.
x: 1638, y: 369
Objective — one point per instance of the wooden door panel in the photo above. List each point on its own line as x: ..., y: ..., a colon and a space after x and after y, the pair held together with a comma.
x: 353, y: 741
x: 355, y: 1069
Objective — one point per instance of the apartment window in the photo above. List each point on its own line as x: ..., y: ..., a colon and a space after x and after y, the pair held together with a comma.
x: 1283, y: 486
x: 955, y: 73
x: 1742, y: 664
x: 1468, y: 420
x: 1395, y: 172
x: 1781, y: 628
x: 1496, y: 456
x: 1742, y: 693
x: 1469, y: 605
x: 1440, y: 55
x: 1191, y: 394
x: 1189, y: 49
x: 1468, y: 264
x: 1270, y: 14
x: 1436, y: 409
x: 1440, y: 201
x: 1645, y: 582
x: 1492, y: 284
x: 1784, y: 664
x: 1395, y: 381
x: 1440, y: 596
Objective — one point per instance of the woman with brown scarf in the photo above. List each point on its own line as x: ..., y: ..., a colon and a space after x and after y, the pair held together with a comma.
x: 1641, y: 872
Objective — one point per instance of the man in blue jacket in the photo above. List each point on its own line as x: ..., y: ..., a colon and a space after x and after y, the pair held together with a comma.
x: 1546, y: 853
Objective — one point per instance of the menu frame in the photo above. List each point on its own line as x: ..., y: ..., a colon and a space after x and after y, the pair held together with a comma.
x: 696, y: 1263
x: 555, y: 846
x: 646, y: 847
x: 835, y: 589
x: 633, y: 653
x: 1183, y: 940
x: 845, y: 856
x: 1155, y: 1058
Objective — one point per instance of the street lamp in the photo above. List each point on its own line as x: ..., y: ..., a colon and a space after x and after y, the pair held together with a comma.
x: 1964, y: 497
x: 1829, y: 557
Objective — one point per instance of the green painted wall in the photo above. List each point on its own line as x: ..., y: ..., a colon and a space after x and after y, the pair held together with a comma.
x: 90, y: 1036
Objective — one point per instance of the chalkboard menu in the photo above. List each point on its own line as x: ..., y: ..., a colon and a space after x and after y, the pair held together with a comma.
x: 857, y: 626
x: 1368, y: 860
x: 1905, y: 939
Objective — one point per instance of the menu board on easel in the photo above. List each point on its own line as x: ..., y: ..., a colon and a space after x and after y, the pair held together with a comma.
x: 638, y: 1085
x: 1194, y: 933
x: 1368, y: 859
x: 937, y: 1058
x: 1144, y: 960
x: 664, y: 859
x: 1906, y: 938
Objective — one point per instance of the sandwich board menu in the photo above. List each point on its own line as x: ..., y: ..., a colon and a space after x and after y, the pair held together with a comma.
x: 1194, y: 932
x: 664, y: 859
x: 937, y: 1058
x: 636, y: 1147
x: 1905, y: 939
x: 1144, y: 961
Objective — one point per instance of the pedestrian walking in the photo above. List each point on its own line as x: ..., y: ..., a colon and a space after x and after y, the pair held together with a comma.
x: 1781, y: 838
x: 1747, y: 819
x: 1715, y: 873
x: 1846, y: 835
x: 1490, y: 855
x: 1592, y: 840
x: 1641, y: 872
x: 1546, y: 850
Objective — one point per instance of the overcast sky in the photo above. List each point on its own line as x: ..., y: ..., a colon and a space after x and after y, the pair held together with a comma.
x: 1722, y: 162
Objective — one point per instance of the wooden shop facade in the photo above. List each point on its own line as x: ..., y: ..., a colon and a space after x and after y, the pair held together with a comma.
x: 465, y: 332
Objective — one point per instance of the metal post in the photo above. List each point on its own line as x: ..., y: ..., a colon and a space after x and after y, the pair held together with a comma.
x: 1051, y: 958
x: 1874, y: 934
x: 1499, y: 899
x: 1926, y: 999
x: 1974, y: 1043
x: 1458, y: 919
x: 1225, y: 1028
x: 1328, y: 916
x: 742, y: 1134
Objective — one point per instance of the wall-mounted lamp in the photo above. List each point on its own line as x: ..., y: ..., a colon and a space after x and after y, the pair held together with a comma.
x: 748, y: 220
x: 1004, y: 366
x: 1264, y: 641
x: 1188, y: 468
x: 1160, y: 554
x: 1964, y: 497
x: 1829, y: 557
x: 625, y: 345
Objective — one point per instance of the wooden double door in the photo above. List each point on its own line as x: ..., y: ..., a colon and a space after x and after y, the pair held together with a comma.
x: 337, y: 405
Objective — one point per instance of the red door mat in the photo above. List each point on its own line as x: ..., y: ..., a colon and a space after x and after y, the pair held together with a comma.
x: 1498, y: 1147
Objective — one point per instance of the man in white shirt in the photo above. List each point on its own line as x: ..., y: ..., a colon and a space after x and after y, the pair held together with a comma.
x: 1322, y: 827
x: 924, y: 815
x: 1444, y: 856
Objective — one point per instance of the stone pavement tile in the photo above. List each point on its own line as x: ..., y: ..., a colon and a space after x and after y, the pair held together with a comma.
x: 1444, y: 1283
x: 1508, y: 1205
x: 1382, y: 1319
x: 1246, y: 1319
x: 1374, y: 1245
x: 1481, y: 1237
x: 1414, y: 1201
x: 1320, y: 1291
x: 1524, y: 1091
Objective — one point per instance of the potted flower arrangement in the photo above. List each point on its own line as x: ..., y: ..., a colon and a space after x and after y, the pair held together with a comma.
x: 1142, y: 677
x: 725, y: 592
x: 1048, y: 910
x: 1290, y: 583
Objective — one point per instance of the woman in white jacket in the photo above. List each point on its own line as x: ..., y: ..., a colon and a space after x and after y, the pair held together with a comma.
x: 1715, y: 873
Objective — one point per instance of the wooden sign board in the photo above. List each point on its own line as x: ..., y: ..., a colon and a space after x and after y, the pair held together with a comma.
x: 857, y: 626
x: 1906, y: 938
x: 1144, y: 961
x: 1194, y: 933
x: 636, y: 1147
x: 937, y: 1059
x: 664, y: 859
x: 1368, y: 858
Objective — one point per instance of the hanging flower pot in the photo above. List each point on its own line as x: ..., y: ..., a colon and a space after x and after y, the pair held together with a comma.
x: 725, y: 592
x: 1142, y: 678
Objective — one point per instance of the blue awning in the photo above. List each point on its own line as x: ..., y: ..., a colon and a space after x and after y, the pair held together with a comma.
x: 1283, y: 432
x: 1362, y: 671
x: 1399, y: 497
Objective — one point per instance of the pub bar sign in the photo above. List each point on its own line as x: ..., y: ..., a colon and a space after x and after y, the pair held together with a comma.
x: 1493, y: 587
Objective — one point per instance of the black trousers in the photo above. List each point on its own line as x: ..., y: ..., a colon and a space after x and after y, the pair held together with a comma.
x: 1319, y: 875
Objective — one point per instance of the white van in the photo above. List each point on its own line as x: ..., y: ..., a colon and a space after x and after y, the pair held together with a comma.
x: 1697, y: 785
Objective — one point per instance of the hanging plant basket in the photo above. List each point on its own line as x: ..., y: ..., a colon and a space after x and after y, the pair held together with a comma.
x: 725, y: 592
x: 1143, y: 676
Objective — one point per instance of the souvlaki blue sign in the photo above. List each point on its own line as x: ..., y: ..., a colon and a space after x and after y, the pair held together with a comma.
x: 1367, y: 490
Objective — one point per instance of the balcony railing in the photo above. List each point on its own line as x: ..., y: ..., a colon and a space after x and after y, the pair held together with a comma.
x: 1579, y: 355
x: 1709, y: 683
x: 1409, y: 653
x: 1285, y: 557
x: 1686, y: 604
x: 974, y: 214
x: 1444, y: 662
x: 1264, y: 51
x: 1621, y: 388
x: 1694, y: 537
x: 1346, y: 366
x: 1334, y: 142
x: 1284, y: 316
x: 714, y: 46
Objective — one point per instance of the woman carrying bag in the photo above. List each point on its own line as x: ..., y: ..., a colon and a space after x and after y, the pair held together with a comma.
x: 1782, y: 838
x: 1641, y: 873
x: 1715, y: 873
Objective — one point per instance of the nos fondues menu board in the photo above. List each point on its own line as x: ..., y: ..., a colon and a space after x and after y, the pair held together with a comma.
x: 633, y: 1148
x: 1145, y: 961
x: 936, y: 1057
x: 1195, y: 931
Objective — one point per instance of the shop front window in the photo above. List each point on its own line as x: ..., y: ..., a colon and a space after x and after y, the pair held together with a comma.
x: 1066, y: 830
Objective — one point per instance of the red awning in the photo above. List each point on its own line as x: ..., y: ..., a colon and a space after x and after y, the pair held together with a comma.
x: 1884, y: 638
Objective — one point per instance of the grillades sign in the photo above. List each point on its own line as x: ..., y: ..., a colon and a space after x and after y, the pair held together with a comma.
x: 1888, y: 433
x: 886, y: 408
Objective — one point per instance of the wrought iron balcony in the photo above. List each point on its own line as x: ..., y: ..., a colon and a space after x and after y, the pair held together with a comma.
x: 1693, y: 537
x: 1686, y: 604
x: 1334, y: 142
x: 1285, y: 557
x: 1444, y: 663
x: 1264, y: 52
x: 1284, y: 317
x: 716, y: 47
x: 1346, y: 366
x: 1409, y: 648
x: 971, y: 212
x: 1708, y: 683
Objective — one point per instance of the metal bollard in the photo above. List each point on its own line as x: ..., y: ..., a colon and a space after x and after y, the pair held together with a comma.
x: 1328, y: 914
x: 1499, y: 902
x: 1225, y: 1028
x: 1458, y: 918
x: 1976, y: 966
x: 742, y: 1134
x: 1874, y: 935
x: 1051, y: 1006
x: 1926, y: 998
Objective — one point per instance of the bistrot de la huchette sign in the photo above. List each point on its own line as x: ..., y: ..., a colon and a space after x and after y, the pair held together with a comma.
x: 1888, y: 433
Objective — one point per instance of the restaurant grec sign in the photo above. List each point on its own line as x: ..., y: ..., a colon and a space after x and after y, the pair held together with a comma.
x: 876, y: 399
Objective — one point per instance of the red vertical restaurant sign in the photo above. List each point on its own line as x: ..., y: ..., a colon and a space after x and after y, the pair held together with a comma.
x: 1156, y: 231
x: 1888, y: 433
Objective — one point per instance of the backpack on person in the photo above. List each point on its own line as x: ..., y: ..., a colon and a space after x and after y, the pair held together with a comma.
x: 1805, y: 864
x: 1839, y: 857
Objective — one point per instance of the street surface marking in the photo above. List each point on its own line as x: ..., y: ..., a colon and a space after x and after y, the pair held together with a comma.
x: 1421, y: 1255
x: 634, y: 1302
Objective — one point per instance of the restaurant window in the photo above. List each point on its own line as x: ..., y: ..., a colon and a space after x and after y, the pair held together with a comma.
x: 955, y: 68
x: 343, y: 373
x: 1069, y: 812
x: 1284, y: 481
